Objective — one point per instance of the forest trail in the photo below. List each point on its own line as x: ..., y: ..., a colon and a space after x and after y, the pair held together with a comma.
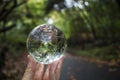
x: 75, y: 68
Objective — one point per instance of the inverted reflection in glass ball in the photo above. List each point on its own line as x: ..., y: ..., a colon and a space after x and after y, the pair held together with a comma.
x: 46, y: 43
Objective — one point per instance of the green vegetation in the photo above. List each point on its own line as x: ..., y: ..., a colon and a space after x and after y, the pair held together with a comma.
x: 92, y: 29
x: 84, y: 22
x: 104, y: 53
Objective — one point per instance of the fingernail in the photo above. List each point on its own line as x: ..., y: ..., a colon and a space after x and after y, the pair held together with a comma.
x: 29, y: 60
x: 60, y: 62
x: 55, y: 64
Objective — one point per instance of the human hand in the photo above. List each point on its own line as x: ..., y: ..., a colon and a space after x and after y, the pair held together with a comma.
x: 35, y: 71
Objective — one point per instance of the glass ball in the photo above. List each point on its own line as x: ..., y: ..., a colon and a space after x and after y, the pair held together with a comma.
x: 46, y: 43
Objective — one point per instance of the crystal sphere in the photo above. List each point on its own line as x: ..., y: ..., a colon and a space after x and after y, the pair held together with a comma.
x: 46, y: 43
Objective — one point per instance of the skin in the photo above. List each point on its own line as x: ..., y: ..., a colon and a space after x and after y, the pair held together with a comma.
x: 35, y: 71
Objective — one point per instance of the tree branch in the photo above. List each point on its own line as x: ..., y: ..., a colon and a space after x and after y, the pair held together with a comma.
x: 9, y: 11
x: 15, y: 5
x: 7, y: 28
x: 3, y: 7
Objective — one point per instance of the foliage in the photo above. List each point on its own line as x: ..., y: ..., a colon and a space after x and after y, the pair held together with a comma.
x: 92, y: 27
x: 83, y: 21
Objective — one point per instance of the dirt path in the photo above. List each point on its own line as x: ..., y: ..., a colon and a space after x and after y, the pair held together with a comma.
x: 75, y: 68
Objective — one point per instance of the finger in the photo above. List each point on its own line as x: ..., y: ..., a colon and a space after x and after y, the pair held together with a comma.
x: 46, y: 74
x: 58, y: 70
x: 39, y: 72
x: 31, y: 63
x: 53, y: 67
x: 29, y: 72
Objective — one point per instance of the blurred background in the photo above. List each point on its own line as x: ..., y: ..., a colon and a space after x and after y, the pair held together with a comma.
x: 92, y: 29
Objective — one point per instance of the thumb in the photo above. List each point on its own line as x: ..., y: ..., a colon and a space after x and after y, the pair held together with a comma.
x: 30, y: 70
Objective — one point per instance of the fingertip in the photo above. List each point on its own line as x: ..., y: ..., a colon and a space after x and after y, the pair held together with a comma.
x: 30, y: 59
x: 62, y: 59
x: 28, y: 56
x: 61, y: 62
